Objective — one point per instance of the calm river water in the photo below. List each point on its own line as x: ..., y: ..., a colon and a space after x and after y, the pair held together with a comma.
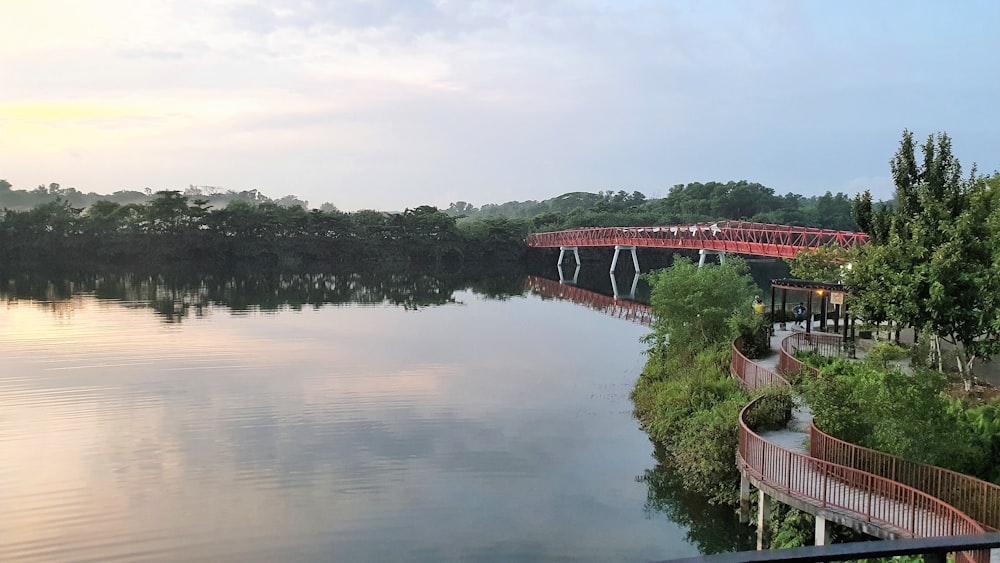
x: 326, y: 418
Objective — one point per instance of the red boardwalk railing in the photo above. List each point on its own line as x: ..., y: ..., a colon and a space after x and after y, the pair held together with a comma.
x: 837, y: 476
x: 618, y: 308
x: 738, y: 237
x: 883, y: 502
x: 751, y: 375
x: 824, y: 343
x: 975, y: 497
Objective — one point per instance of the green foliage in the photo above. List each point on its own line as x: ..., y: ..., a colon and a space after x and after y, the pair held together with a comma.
x: 887, y: 410
x: 685, y: 398
x: 172, y: 228
x: 932, y: 261
x: 790, y: 527
x: 690, y: 405
x: 703, y: 452
x: 813, y: 358
x: 773, y: 410
x: 822, y: 264
x: 693, y: 305
x: 983, y: 423
x: 884, y: 353
x: 754, y: 332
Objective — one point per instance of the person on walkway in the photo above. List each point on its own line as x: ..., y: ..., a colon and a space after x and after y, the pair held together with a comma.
x: 758, y: 305
x: 800, y: 314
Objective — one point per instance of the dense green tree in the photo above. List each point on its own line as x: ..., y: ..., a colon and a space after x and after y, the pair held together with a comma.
x: 933, y: 269
x: 824, y: 264
x: 693, y: 304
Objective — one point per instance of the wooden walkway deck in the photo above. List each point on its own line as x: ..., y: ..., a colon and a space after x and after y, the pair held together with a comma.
x: 778, y: 463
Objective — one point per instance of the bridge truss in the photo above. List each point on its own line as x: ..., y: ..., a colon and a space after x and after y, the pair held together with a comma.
x: 739, y: 237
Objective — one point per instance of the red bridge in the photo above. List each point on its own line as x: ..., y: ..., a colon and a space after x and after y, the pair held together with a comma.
x: 738, y: 237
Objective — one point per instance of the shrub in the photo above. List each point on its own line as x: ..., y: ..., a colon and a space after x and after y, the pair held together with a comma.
x: 773, y: 410
x: 754, y: 333
x: 883, y: 353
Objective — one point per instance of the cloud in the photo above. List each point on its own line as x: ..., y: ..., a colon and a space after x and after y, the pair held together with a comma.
x: 394, y: 104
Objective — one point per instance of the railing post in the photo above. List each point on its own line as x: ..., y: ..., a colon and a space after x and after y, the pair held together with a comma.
x: 984, y: 496
x: 789, y: 462
x: 868, y: 481
x: 826, y: 482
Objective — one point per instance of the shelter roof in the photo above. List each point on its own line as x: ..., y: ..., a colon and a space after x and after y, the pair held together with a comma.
x: 789, y: 283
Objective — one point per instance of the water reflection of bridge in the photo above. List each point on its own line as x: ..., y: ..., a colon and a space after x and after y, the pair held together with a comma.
x: 618, y: 308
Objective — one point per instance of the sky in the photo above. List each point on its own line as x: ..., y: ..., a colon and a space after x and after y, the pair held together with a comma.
x: 386, y: 104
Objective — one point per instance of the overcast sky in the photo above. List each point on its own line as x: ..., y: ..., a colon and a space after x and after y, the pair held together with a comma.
x: 393, y: 104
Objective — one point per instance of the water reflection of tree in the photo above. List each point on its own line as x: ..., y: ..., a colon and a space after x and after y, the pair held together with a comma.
x: 176, y: 294
x: 712, y: 528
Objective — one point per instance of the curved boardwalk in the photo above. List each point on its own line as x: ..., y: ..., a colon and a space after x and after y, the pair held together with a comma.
x: 778, y: 465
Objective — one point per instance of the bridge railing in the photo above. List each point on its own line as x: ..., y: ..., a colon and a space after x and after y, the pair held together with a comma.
x: 739, y: 237
x: 620, y: 308
x: 749, y: 374
x: 824, y: 478
x: 824, y: 343
x: 975, y: 497
x: 882, y: 501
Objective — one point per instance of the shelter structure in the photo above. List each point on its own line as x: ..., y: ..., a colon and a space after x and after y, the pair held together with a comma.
x: 823, y: 295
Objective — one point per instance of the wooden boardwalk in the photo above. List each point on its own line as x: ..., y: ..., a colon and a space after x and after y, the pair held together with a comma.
x: 778, y: 463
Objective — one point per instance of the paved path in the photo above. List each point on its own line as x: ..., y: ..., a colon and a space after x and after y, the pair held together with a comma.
x: 807, y: 480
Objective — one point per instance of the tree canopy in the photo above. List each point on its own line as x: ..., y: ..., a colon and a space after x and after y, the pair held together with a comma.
x: 932, y: 262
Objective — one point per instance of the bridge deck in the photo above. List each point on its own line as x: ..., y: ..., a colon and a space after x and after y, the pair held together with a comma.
x: 778, y: 463
x: 738, y: 237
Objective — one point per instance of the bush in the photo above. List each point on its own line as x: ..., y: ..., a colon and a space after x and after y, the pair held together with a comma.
x: 704, y: 449
x: 883, y: 353
x: 754, y: 333
x: 773, y: 410
x: 887, y: 410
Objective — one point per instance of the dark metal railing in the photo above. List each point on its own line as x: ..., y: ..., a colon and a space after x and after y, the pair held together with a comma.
x: 933, y: 549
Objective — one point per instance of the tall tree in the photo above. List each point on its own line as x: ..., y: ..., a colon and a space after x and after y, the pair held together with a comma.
x: 934, y: 270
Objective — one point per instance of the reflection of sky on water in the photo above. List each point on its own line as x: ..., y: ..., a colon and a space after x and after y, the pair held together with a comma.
x: 491, y: 430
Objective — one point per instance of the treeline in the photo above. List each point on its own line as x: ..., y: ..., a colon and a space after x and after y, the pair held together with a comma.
x: 208, y: 225
x: 23, y: 200
x: 173, y: 228
x: 694, y: 202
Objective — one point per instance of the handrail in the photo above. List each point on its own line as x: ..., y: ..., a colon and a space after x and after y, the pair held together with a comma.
x: 975, y: 497
x: 788, y: 364
x: 751, y: 375
x: 881, y: 500
x: 978, y: 498
x: 739, y: 237
x: 634, y: 311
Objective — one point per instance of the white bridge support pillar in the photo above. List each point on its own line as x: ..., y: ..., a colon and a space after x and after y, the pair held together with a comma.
x: 744, y: 498
x: 564, y: 279
x: 763, y: 518
x: 822, y: 531
x: 703, y: 252
x: 618, y: 249
x: 562, y: 254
